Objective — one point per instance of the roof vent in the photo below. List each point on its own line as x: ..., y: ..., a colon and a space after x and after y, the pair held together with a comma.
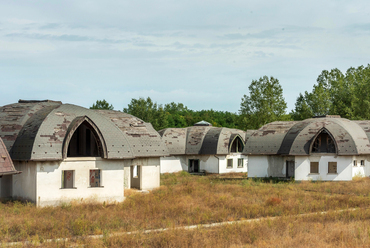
x: 327, y: 116
x: 202, y: 123
x: 36, y: 101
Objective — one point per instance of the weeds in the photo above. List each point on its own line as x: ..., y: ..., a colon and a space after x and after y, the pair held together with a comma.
x: 182, y: 200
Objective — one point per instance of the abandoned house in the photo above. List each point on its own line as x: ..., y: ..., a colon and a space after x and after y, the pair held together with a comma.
x: 324, y: 148
x: 68, y: 152
x: 6, y: 171
x: 203, y: 147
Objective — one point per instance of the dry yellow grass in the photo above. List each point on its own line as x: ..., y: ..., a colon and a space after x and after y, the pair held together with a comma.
x: 185, y: 200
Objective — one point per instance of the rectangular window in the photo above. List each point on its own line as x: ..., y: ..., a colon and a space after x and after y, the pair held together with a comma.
x: 314, y: 167
x: 332, y: 167
x: 240, y: 162
x: 67, y: 179
x: 95, y: 178
x: 230, y: 163
x: 354, y: 162
x: 362, y: 162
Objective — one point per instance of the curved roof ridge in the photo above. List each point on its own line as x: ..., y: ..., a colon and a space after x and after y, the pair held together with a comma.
x: 14, y: 116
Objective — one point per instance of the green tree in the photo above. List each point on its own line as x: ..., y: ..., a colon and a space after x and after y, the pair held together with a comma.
x: 102, y: 105
x: 336, y: 93
x: 148, y: 111
x: 265, y: 103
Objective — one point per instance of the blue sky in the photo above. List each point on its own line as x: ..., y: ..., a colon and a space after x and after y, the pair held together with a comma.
x: 200, y: 53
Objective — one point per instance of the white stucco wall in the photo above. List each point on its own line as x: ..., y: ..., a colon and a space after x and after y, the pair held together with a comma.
x: 359, y: 170
x: 173, y: 164
x: 149, y: 173
x: 234, y: 156
x: 24, y: 184
x: 49, y: 181
x: 344, y: 168
x: 267, y: 166
x: 209, y: 163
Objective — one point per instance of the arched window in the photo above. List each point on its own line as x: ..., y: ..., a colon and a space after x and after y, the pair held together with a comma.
x: 323, y: 143
x: 84, y: 142
x: 236, y: 145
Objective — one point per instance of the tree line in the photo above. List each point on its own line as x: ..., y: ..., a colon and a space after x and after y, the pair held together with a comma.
x: 334, y: 93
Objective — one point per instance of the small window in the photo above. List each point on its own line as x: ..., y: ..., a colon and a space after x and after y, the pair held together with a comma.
x: 332, y: 167
x: 314, y: 167
x: 67, y: 179
x: 355, y: 162
x: 95, y: 178
x: 230, y: 163
x: 240, y: 162
x: 362, y: 162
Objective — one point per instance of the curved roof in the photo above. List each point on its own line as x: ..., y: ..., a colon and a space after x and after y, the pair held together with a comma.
x: 6, y: 163
x: 37, y: 130
x: 295, y: 138
x: 200, y: 140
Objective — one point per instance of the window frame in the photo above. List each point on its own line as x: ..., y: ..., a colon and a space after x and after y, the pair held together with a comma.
x: 241, y: 165
x: 63, y: 179
x: 362, y: 163
x: 330, y: 164
x: 311, y: 167
x: 227, y: 163
x: 91, y: 185
x: 354, y: 163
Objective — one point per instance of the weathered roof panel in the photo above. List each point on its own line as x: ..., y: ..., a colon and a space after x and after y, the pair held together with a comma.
x: 14, y: 116
x: 6, y: 163
x: 295, y: 138
x: 268, y: 139
x: 39, y: 129
x: 145, y: 141
x: 174, y: 139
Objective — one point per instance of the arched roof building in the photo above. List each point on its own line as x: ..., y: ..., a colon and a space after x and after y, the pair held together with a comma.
x: 200, y: 140
x: 326, y: 136
x: 63, y: 146
x: 41, y: 130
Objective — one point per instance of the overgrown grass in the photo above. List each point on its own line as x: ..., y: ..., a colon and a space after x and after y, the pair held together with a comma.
x: 184, y: 200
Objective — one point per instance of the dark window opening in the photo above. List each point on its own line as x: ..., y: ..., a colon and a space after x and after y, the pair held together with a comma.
x: 84, y: 142
x: 193, y: 165
x: 323, y: 143
x: 237, y: 145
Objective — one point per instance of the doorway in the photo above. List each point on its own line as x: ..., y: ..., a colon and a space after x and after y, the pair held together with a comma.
x: 290, y: 169
x: 193, y: 165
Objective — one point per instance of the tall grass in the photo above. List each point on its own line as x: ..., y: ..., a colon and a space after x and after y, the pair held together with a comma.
x: 181, y: 200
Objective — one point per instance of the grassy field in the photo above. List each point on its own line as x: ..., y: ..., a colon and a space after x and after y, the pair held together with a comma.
x: 186, y: 200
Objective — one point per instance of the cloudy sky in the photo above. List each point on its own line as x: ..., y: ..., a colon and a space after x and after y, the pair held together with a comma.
x: 200, y: 53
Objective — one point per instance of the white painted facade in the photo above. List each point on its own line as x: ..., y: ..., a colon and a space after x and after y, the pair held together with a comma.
x: 42, y: 181
x: 275, y: 166
x: 209, y: 163
x: 146, y: 175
